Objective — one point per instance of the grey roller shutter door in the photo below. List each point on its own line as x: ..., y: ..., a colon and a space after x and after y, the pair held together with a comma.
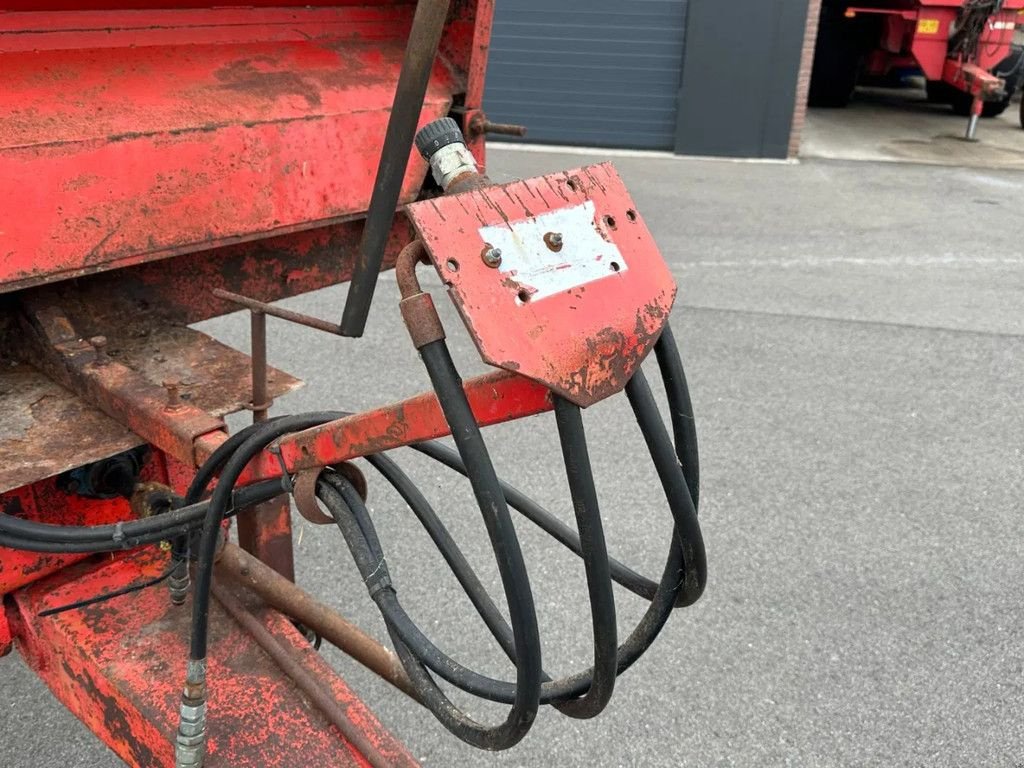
x: 599, y: 73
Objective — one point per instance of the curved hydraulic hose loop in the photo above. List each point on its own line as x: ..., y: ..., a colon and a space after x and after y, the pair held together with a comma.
x: 231, y: 458
x: 684, y: 426
x: 353, y: 521
x: 596, y: 560
x: 685, y: 571
x: 508, y: 554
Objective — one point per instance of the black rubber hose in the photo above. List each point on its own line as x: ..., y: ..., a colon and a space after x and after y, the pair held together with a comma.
x: 684, y: 431
x: 353, y: 521
x: 231, y: 468
x: 547, y: 522
x: 459, y: 565
x: 205, y: 474
x: 449, y: 549
x: 69, y: 539
x: 684, y: 425
x: 683, y: 579
x: 595, y: 559
x: 666, y: 463
x: 508, y: 554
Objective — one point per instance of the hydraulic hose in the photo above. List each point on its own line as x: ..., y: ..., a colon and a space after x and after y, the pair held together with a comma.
x: 17, y: 533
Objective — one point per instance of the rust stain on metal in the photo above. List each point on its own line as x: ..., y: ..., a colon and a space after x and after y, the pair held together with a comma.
x: 584, y: 339
x: 116, y: 666
x: 495, y: 398
x: 252, y: 77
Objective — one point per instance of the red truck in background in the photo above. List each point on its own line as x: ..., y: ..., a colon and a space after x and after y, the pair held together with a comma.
x: 964, y: 49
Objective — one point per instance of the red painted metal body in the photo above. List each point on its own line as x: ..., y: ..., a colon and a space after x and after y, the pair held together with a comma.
x: 494, y: 398
x: 127, y: 691
x: 165, y: 131
x: 918, y: 34
x: 153, y: 152
x: 581, y: 293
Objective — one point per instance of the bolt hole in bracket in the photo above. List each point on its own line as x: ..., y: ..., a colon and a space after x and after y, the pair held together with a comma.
x: 557, y: 279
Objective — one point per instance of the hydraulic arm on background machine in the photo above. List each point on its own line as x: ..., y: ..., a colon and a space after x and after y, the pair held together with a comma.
x: 162, y: 164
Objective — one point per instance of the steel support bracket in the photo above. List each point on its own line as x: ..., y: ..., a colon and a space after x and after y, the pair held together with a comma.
x: 52, y: 344
x: 557, y: 278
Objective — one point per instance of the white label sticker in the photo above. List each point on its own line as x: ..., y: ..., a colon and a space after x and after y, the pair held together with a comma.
x: 529, y: 258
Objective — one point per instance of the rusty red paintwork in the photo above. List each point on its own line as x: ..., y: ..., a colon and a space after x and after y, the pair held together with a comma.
x: 6, y: 634
x: 266, y: 532
x: 46, y: 502
x: 580, y: 315
x: 308, y: 251
x: 495, y: 398
x: 177, y: 148
x: 178, y: 291
x: 128, y: 691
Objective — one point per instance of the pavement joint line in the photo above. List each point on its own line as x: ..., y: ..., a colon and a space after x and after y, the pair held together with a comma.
x: 655, y: 154
x: 851, y: 320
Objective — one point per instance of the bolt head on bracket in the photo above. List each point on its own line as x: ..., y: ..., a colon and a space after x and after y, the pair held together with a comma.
x: 580, y: 294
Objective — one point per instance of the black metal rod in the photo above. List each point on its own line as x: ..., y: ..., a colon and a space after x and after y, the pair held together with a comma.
x: 424, y: 38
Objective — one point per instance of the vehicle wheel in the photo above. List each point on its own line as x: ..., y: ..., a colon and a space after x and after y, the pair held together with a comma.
x: 836, y: 60
x: 939, y: 92
x: 1011, y: 69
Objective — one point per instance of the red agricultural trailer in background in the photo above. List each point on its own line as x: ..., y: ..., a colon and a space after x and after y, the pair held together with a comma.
x: 964, y: 49
x: 165, y: 162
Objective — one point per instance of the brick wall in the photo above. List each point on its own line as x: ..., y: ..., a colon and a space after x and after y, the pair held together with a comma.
x: 804, y: 80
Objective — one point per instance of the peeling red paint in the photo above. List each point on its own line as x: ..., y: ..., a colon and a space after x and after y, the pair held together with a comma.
x: 585, y: 342
x: 118, y: 667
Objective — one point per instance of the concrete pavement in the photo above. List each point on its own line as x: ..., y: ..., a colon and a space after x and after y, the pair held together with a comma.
x: 854, y: 337
x: 900, y: 126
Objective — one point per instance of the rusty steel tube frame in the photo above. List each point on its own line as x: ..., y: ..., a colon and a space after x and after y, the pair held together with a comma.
x: 420, y: 52
x: 302, y: 678
x: 289, y: 599
x: 274, y: 311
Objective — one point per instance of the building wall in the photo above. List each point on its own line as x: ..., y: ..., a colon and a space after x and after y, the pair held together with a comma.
x: 804, y: 80
x: 740, y: 74
x: 588, y: 72
x: 701, y: 77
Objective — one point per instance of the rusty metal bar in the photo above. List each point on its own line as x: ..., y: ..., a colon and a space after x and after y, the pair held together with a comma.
x: 265, y: 530
x: 269, y: 309
x: 480, y: 125
x: 302, y: 678
x: 279, y: 593
x: 420, y: 52
x: 494, y: 397
x: 84, y: 367
x: 258, y: 353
